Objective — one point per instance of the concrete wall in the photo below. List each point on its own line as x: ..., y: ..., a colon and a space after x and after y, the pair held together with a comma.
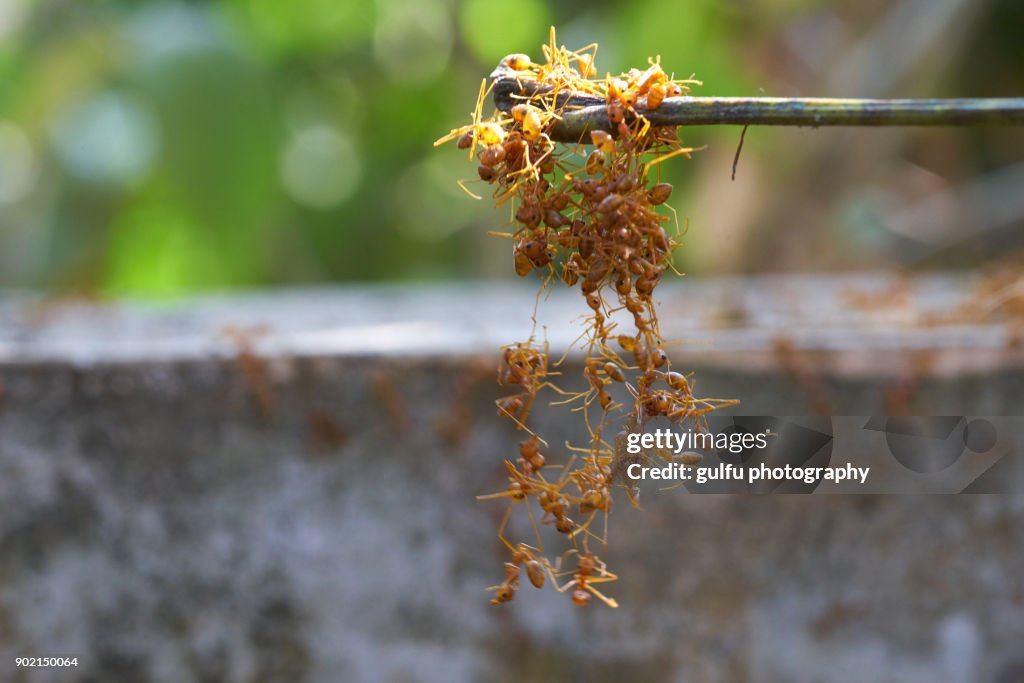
x: 182, y: 505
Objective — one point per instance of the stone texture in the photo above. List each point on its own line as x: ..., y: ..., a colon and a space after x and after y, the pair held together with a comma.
x: 179, y: 505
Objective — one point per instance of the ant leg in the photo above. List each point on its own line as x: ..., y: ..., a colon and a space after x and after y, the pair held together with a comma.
x: 567, y: 586
x: 604, y: 598
x: 462, y: 184
x: 501, y: 529
x: 583, y: 529
x: 533, y: 522
x: 519, y: 423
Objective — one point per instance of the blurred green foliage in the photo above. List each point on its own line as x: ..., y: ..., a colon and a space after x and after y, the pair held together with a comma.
x: 164, y: 147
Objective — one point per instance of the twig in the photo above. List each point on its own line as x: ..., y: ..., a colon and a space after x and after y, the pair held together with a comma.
x: 739, y: 148
x: 584, y: 113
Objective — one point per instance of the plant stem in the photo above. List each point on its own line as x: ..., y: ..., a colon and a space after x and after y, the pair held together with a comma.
x: 584, y: 113
x: 814, y: 112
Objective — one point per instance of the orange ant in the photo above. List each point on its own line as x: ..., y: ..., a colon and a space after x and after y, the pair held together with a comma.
x: 538, y: 569
x: 506, y: 590
x: 590, y: 569
x: 324, y: 430
x: 385, y: 391
x: 525, y: 366
x: 252, y: 366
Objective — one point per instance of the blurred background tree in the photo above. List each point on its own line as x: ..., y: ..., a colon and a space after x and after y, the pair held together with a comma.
x: 159, y: 148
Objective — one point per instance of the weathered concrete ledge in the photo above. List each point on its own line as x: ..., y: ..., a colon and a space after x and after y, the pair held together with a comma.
x: 182, y: 503
x: 722, y: 321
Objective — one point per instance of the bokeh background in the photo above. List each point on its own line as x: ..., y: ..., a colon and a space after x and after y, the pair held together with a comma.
x: 160, y: 148
x: 278, y: 485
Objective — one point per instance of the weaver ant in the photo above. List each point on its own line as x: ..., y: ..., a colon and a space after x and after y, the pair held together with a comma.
x: 590, y: 569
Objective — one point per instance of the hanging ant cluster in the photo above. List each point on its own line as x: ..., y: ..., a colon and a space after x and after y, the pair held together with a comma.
x: 589, y: 218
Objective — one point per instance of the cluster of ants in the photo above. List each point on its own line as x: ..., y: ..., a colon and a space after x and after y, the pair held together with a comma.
x: 590, y: 219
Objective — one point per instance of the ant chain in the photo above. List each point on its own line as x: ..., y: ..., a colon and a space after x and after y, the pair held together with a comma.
x: 588, y: 215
